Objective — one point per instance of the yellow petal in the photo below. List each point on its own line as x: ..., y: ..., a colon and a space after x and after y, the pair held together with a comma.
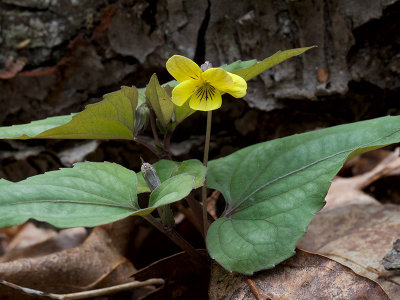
x: 238, y: 88
x: 206, y: 98
x: 183, y: 91
x: 218, y: 78
x: 183, y: 68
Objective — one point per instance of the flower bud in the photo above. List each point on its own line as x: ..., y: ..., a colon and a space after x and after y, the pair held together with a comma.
x: 207, y: 65
x: 142, y: 116
x: 150, y: 176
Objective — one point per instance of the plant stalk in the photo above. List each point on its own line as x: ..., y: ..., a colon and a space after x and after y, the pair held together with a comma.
x: 175, y: 237
x: 205, y: 162
x: 143, y: 141
x: 197, y: 212
x: 167, y: 144
x: 154, y: 129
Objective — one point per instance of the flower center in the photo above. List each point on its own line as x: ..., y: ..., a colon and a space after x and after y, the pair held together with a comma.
x: 205, y: 92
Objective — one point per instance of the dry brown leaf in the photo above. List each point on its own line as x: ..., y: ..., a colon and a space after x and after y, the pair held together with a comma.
x: 365, y: 162
x: 12, y: 231
x: 65, y: 239
x: 304, y: 276
x: 30, y: 235
x: 212, y: 204
x: 101, y: 254
x: 184, y: 277
x: 346, y: 191
x: 6, y: 235
x: 96, y: 263
x: 358, y: 236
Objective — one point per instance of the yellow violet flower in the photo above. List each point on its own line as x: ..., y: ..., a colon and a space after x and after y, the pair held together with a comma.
x: 202, y: 86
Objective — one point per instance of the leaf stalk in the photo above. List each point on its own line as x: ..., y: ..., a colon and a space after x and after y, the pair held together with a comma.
x: 174, y: 236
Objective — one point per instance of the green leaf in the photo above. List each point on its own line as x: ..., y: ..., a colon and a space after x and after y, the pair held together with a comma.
x: 238, y: 65
x: 171, y: 190
x: 27, y: 131
x: 112, y: 118
x: 164, y: 171
x: 160, y: 101
x: 182, y: 112
x: 142, y: 91
x: 280, y: 56
x: 141, y: 96
x: 4, y: 182
x: 168, y: 168
x: 192, y: 167
x: 273, y: 189
x: 89, y: 194
x: 172, y: 83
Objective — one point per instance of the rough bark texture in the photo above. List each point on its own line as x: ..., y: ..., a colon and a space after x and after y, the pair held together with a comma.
x: 58, y: 56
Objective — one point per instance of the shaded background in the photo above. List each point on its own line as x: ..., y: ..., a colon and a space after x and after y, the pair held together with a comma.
x: 58, y: 56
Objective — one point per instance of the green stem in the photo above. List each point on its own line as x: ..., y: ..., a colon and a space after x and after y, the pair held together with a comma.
x: 154, y: 129
x: 167, y: 145
x: 205, y: 161
x: 148, y: 144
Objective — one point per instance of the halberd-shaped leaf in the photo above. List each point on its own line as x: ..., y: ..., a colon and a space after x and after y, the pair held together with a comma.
x: 256, y: 69
x: 246, y: 69
x: 34, y: 128
x: 89, y: 194
x: 239, y: 65
x: 168, y: 168
x: 112, y: 118
x: 273, y: 189
x: 160, y: 101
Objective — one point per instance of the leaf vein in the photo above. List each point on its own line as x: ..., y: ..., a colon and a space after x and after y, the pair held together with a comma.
x: 306, y: 167
x: 74, y: 189
x: 86, y: 179
x: 70, y: 201
x: 222, y: 244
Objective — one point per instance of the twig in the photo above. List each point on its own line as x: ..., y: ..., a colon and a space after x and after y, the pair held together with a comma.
x: 256, y: 291
x: 85, y: 294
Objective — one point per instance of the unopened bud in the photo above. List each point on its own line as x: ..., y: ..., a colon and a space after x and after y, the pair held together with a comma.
x: 142, y: 117
x: 207, y: 65
x: 150, y: 176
